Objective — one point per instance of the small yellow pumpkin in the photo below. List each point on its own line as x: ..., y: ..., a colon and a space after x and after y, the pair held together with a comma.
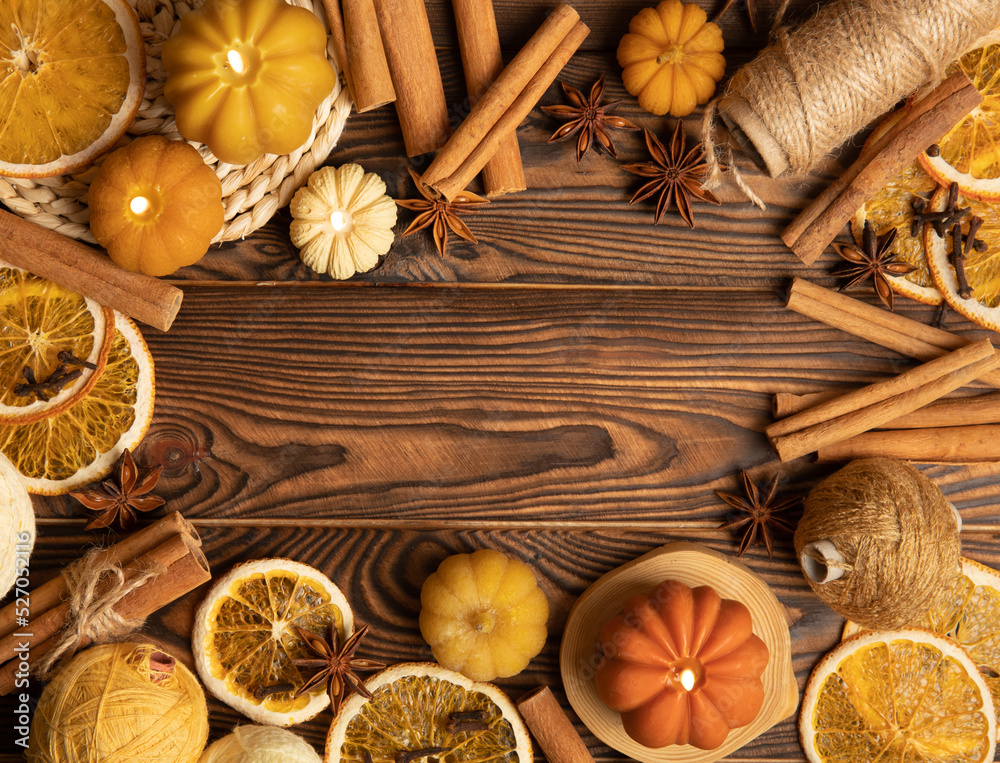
x: 155, y: 206
x: 671, y: 58
x: 483, y: 615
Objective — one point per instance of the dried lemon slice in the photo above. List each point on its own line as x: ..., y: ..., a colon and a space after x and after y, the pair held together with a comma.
x: 970, y: 152
x: 80, y: 445
x: 904, y: 695
x: 410, y: 710
x: 245, y: 638
x: 967, y: 612
x: 40, y: 320
x: 72, y: 79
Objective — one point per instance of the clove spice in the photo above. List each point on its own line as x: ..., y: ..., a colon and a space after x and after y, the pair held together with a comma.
x: 939, y: 221
x: 958, y: 261
x: 408, y: 756
x: 469, y: 721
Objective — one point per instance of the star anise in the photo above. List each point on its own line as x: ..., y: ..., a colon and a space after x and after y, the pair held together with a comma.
x: 120, y: 495
x: 441, y: 214
x: 760, y: 509
x: 589, y: 117
x: 336, y: 665
x: 677, y: 175
x: 875, y: 260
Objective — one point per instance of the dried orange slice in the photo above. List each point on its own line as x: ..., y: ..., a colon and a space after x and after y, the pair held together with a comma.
x: 245, y: 638
x: 888, y: 696
x: 970, y: 152
x: 80, y: 445
x: 410, y: 710
x: 40, y: 320
x: 72, y: 78
x: 982, y: 269
x: 968, y: 612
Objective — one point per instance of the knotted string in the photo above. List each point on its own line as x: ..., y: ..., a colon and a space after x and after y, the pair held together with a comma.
x: 92, y: 615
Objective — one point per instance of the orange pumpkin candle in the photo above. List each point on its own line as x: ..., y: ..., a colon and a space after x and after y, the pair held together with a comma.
x: 155, y: 206
x: 245, y: 77
x: 682, y: 666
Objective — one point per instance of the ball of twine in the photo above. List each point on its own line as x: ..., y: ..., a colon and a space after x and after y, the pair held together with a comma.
x: 120, y: 703
x: 17, y: 525
x: 260, y: 744
x: 878, y: 542
x: 819, y: 85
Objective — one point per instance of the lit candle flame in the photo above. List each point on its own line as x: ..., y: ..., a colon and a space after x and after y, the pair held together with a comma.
x: 139, y: 205
x: 687, y: 679
x: 339, y: 221
x: 236, y: 61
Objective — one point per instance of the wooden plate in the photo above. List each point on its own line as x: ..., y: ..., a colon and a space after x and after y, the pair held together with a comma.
x: 693, y: 565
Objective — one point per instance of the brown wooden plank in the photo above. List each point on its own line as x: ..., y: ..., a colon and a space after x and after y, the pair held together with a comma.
x: 517, y: 20
x: 381, y: 572
x: 573, y: 225
x: 445, y: 404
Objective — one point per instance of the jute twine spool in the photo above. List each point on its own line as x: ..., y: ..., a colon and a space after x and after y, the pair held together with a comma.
x: 260, y: 744
x: 120, y: 703
x: 17, y: 526
x: 819, y: 85
x: 878, y: 542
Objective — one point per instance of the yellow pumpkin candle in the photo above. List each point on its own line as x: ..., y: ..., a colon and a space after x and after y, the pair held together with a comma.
x: 483, y: 615
x: 682, y: 666
x: 155, y: 206
x: 245, y: 77
x: 671, y: 58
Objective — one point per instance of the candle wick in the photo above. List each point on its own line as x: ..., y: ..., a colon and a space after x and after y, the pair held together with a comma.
x: 339, y: 221
x: 687, y: 679
x: 236, y: 61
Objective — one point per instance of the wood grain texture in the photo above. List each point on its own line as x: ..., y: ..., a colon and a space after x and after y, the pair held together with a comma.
x: 486, y: 404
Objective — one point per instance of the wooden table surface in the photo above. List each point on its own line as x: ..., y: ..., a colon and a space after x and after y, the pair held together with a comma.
x: 572, y: 391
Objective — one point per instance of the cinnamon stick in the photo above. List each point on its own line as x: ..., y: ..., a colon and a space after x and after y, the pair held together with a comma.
x: 953, y: 412
x: 482, y: 62
x: 875, y: 324
x: 339, y: 39
x: 507, y: 102
x: 51, y: 593
x: 86, y: 271
x: 921, y: 124
x: 551, y: 728
x: 939, y: 445
x: 183, y: 576
x: 867, y: 408
x: 369, y: 66
x: 44, y: 626
x: 416, y: 78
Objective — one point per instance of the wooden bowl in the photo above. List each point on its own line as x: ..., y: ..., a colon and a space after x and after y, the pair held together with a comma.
x: 693, y: 565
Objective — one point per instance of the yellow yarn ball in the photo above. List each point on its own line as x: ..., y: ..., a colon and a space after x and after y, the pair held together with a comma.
x: 260, y: 744
x: 17, y: 526
x: 114, y: 704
